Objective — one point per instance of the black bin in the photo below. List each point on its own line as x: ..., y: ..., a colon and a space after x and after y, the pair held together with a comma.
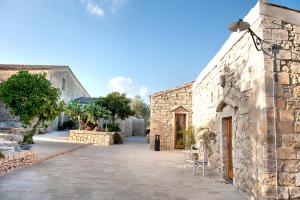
x: 157, y: 143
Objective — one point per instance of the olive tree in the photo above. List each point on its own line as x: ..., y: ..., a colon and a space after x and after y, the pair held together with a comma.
x: 32, y: 98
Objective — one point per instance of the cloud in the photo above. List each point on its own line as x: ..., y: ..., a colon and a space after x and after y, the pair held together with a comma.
x: 143, y: 91
x: 126, y: 85
x: 117, y: 4
x: 93, y: 8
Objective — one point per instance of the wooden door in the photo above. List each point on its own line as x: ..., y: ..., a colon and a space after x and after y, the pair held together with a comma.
x: 180, y: 124
x: 228, y: 124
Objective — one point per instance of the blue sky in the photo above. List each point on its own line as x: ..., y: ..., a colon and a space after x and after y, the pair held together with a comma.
x: 134, y: 46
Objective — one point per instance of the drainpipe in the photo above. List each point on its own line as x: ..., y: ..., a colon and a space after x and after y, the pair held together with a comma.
x: 274, y: 51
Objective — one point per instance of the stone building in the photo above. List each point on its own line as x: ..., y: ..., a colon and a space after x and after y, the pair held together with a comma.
x: 252, y: 106
x: 255, y: 115
x: 170, y: 111
x: 60, y: 76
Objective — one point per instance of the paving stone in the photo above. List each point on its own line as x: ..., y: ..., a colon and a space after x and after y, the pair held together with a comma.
x: 128, y: 171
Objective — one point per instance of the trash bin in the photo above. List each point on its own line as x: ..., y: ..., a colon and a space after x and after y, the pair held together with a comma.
x: 157, y: 143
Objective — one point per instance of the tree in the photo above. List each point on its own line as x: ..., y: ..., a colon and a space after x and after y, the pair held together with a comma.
x: 32, y: 98
x: 118, y: 104
x: 140, y: 108
x: 86, y: 115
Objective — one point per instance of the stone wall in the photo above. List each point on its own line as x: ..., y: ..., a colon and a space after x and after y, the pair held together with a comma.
x: 17, y: 160
x: 138, y: 126
x: 236, y: 80
x: 91, y: 137
x: 239, y: 85
x: 72, y: 87
x: 132, y: 126
x: 286, y: 36
x: 163, y: 106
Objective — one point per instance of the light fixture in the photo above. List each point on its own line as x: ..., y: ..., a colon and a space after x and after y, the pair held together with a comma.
x: 240, y: 25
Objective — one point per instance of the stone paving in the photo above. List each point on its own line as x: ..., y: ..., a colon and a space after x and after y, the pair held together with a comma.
x: 128, y: 171
x: 53, y: 143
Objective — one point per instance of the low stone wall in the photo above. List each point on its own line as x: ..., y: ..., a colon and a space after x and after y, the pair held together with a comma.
x: 17, y: 160
x: 91, y: 137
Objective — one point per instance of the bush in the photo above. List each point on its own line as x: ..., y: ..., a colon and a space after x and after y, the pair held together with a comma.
x: 1, y: 155
x: 70, y: 125
x: 87, y: 115
x: 117, y: 139
x: 113, y: 128
x: 147, y: 131
x: 27, y: 139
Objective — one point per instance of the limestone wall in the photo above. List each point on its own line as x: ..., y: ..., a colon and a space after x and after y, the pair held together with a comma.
x: 132, y: 126
x: 91, y: 137
x: 138, y: 126
x: 72, y: 87
x: 240, y: 85
x: 163, y: 106
x: 286, y: 36
x: 17, y: 160
x: 241, y: 71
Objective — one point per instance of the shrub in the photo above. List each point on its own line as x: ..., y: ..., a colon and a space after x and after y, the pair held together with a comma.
x: 147, y: 131
x: 113, y: 128
x: 87, y: 115
x: 70, y: 125
x: 117, y: 139
x: 1, y: 155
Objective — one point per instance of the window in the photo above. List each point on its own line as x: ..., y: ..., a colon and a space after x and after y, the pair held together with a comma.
x: 211, y: 97
x: 63, y: 87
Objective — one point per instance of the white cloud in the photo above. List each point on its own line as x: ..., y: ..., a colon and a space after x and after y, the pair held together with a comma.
x: 143, y: 91
x: 117, y: 4
x: 93, y: 8
x: 126, y: 85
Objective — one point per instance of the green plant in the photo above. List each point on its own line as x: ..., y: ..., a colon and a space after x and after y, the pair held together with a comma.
x: 1, y: 155
x: 188, y: 139
x: 117, y: 138
x: 70, y: 124
x: 118, y: 105
x: 205, y: 137
x: 141, y: 109
x: 32, y: 98
x: 113, y: 128
x: 147, y: 131
x: 87, y: 115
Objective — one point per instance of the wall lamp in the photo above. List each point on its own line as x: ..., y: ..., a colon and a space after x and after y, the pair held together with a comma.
x: 240, y: 25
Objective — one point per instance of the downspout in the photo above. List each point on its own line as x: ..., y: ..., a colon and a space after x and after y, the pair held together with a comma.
x: 274, y: 51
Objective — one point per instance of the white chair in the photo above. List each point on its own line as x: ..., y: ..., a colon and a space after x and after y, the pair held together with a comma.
x: 202, y: 161
x: 190, y: 156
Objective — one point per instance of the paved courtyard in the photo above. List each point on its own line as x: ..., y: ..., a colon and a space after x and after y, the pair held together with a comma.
x: 128, y: 171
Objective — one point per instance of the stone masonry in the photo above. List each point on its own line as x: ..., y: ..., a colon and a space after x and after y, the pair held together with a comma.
x: 91, y: 137
x: 17, y: 160
x: 238, y: 83
x: 163, y: 106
